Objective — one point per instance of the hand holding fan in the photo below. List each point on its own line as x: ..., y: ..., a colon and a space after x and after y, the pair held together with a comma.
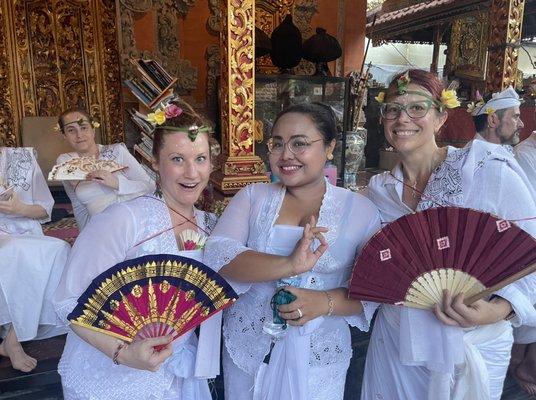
x: 78, y: 168
x: 152, y: 296
x: 413, y: 259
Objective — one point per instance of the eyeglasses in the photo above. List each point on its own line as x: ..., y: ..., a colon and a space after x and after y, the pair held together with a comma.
x: 414, y: 110
x: 296, y: 145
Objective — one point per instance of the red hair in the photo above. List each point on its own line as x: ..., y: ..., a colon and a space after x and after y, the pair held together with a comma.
x: 427, y: 80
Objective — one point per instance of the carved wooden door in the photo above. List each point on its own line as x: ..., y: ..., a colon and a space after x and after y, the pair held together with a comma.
x: 57, y: 55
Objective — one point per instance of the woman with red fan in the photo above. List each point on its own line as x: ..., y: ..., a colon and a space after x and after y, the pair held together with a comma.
x: 101, y: 188
x: 98, y: 366
x: 264, y: 239
x: 462, y: 352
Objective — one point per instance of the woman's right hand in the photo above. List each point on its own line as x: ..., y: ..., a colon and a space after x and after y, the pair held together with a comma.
x: 303, y: 258
x: 141, y: 354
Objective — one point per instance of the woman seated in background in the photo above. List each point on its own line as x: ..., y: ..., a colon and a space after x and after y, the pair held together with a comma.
x: 462, y: 352
x: 31, y: 263
x: 150, y: 224
x: 101, y: 188
x: 267, y: 236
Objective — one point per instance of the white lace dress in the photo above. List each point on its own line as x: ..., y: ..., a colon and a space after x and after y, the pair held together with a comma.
x: 248, y: 223
x: 412, y: 355
x: 89, y: 197
x: 30, y: 263
x: 109, y: 238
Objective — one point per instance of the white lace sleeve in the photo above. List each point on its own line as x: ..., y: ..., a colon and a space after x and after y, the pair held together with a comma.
x: 230, y: 236
x: 40, y: 191
x: 133, y: 181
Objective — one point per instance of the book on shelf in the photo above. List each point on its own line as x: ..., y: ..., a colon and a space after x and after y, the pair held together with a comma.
x: 137, y: 92
x: 144, y: 153
x: 140, y: 120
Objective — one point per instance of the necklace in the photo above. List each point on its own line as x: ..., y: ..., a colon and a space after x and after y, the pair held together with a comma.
x: 438, y: 159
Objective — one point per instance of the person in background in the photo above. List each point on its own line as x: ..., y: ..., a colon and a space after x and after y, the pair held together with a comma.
x: 101, y: 188
x: 31, y: 263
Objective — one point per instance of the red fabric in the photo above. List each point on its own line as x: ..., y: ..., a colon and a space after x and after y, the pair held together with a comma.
x: 439, y: 238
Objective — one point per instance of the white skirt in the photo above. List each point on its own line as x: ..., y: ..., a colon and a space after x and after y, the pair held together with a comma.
x: 30, y: 270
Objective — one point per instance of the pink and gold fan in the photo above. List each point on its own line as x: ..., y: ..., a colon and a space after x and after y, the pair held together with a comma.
x: 413, y: 259
x: 152, y: 296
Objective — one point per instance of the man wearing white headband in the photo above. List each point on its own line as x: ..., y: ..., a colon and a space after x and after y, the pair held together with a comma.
x: 499, y: 120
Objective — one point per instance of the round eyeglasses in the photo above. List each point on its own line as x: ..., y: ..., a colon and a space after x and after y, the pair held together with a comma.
x: 296, y: 145
x: 414, y: 110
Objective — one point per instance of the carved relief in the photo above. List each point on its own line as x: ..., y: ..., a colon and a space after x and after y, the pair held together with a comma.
x: 66, y: 57
x: 467, y: 50
x: 240, y: 166
x: 7, y: 130
x: 506, y: 17
x: 214, y: 19
x: 212, y: 55
x: 168, y: 46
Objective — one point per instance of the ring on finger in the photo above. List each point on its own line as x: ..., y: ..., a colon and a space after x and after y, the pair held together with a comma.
x: 300, y: 314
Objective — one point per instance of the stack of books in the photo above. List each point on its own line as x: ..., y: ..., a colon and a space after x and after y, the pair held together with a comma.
x: 153, y: 85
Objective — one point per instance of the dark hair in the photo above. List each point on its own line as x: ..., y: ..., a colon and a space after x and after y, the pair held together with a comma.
x: 67, y: 112
x: 186, y: 119
x: 481, y: 121
x: 321, y: 114
x: 426, y: 79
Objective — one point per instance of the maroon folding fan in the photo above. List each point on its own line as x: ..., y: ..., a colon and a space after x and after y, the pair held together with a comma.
x: 413, y: 259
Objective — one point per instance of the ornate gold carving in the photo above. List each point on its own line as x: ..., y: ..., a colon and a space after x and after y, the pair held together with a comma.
x: 8, y: 129
x: 64, y: 56
x: 506, y: 17
x: 240, y: 165
x: 467, y: 50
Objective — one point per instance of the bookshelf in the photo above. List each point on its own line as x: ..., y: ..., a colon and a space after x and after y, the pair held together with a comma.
x: 152, y: 86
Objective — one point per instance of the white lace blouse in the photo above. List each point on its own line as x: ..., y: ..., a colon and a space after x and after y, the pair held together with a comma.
x: 89, y: 198
x: 112, y: 237
x: 19, y: 168
x: 248, y: 224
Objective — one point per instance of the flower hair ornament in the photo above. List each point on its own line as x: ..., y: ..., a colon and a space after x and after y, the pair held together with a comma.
x: 80, y: 121
x: 448, y: 98
x: 169, y: 111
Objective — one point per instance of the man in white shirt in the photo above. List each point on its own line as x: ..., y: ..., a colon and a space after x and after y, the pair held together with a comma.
x: 498, y: 120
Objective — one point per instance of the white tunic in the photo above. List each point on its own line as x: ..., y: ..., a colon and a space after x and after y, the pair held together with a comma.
x: 411, y: 354
x: 526, y: 156
x: 30, y: 263
x: 90, y: 197
x: 109, y: 238
x: 248, y: 224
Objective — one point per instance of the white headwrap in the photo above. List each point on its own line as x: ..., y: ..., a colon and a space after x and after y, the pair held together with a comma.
x: 499, y: 101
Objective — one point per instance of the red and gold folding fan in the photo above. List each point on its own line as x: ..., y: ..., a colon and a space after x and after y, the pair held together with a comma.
x: 413, y: 259
x: 152, y: 296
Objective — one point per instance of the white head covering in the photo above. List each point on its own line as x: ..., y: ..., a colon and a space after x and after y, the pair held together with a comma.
x: 499, y: 101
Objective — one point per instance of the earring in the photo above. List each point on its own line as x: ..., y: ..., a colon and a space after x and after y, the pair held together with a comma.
x: 158, y: 188
x: 329, y: 156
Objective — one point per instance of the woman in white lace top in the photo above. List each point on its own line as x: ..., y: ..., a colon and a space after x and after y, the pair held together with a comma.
x: 30, y: 262
x: 101, y: 188
x: 266, y: 234
x: 461, y: 352
x: 94, y: 365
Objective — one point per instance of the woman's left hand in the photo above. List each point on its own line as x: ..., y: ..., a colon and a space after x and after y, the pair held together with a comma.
x: 455, y: 312
x: 13, y: 206
x: 310, y: 303
x: 104, y: 177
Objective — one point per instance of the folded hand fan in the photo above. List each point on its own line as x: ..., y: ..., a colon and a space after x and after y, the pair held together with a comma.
x: 152, y: 296
x: 413, y: 259
x: 77, y: 168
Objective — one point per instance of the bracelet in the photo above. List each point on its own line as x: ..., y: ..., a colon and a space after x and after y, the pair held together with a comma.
x: 120, y: 346
x: 330, y: 303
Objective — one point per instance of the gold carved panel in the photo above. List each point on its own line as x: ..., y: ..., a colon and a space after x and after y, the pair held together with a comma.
x: 506, y: 17
x: 468, y: 46
x: 64, y: 55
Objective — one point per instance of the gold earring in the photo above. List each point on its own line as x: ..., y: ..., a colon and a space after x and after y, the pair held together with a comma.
x: 330, y: 156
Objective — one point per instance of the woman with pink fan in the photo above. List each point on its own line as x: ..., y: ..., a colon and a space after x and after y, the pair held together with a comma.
x: 267, y: 238
x: 132, y: 283
x: 457, y: 215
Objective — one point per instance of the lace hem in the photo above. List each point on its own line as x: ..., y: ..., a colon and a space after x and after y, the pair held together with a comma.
x: 63, y: 311
x: 363, y: 320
